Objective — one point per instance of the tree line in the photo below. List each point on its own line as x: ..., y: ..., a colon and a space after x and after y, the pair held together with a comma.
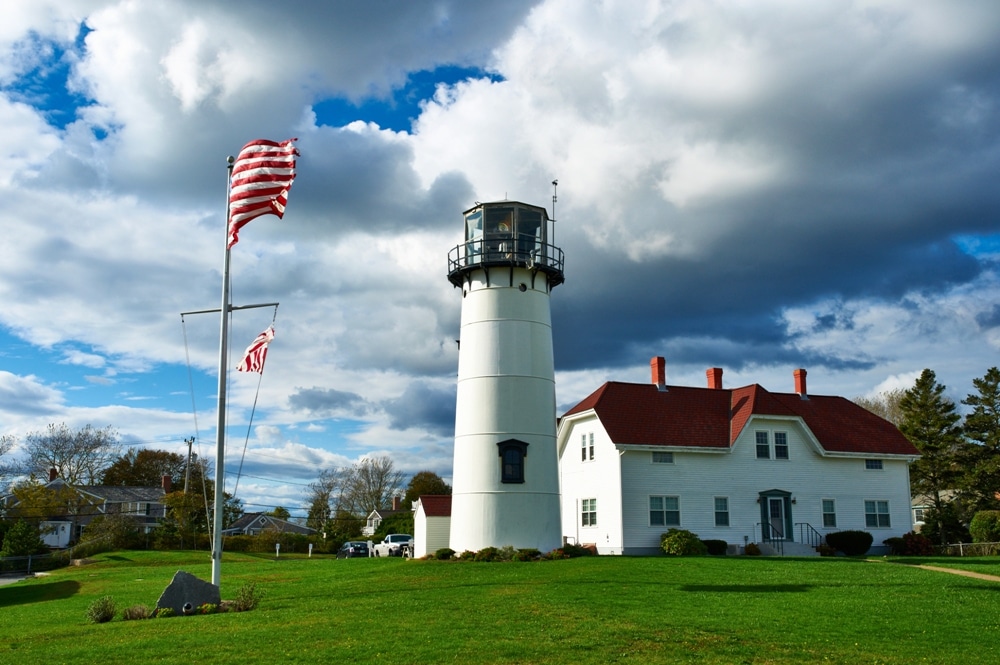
x: 959, y: 469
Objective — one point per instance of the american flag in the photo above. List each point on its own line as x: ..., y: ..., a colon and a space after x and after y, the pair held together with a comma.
x: 262, y: 175
x: 253, y: 357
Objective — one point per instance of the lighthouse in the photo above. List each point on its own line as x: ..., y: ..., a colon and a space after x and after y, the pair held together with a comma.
x: 505, y: 483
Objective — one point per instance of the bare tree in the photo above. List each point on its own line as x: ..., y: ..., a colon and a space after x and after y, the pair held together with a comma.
x: 78, y: 456
x: 885, y: 405
x: 372, y: 484
x: 7, y: 467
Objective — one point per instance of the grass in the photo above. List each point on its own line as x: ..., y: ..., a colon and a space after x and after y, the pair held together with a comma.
x: 590, y: 610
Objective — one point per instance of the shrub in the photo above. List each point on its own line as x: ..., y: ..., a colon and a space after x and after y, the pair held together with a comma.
x: 101, y: 610
x: 751, y: 549
x: 527, y: 554
x: 22, y: 539
x: 716, y: 546
x: 487, y: 554
x: 444, y: 554
x: 467, y: 555
x: 851, y: 543
x: 910, y: 544
x: 681, y: 542
x: 207, y: 608
x: 164, y: 613
x: 985, y: 526
x: 826, y: 550
x: 136, y: 612
x: 573, y: 551
x: 247, y: 598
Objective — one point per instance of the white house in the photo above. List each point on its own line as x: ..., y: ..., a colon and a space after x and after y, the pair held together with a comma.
x: 431, y: 523
x: 740, y: 465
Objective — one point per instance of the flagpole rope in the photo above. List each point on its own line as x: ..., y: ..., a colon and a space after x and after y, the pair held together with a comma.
x: 197, y: 432
x: 253, y: 411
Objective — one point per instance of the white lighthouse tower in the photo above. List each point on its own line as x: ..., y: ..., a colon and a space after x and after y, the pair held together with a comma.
x: 505, y: 478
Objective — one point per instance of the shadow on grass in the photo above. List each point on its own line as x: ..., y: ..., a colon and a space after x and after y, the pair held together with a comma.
x: 36, y: 593
x: 745, y: 588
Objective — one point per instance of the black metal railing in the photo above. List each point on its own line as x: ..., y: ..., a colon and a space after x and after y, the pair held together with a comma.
x: 808, y: 535
x: 773, y: 535
x: 525, y: 252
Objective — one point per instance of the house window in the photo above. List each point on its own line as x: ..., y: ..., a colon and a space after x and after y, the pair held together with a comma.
x: 877, y: 514
x: 588, y: 512
x: 829, y: 513
x: 664, y: 511
x: 763, y: 446
x: 512, y: 453
x: 587, y: 447
x: 721, y: 511
x: 663, y: 458
x: 873, y: 465
x: 780, y: 445
x: 918, y: 515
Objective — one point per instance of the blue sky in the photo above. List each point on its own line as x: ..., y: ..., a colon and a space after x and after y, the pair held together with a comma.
x: 752, y: 187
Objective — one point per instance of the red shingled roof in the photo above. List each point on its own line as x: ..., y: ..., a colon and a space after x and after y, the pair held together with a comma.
x: 639, y: 414
x: 436, y: 505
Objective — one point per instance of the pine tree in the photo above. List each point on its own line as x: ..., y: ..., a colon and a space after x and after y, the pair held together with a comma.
x: 929, y: 421
x: 981, y: 479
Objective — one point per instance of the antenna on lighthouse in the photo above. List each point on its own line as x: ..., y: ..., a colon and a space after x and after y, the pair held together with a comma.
x: 555, y: 186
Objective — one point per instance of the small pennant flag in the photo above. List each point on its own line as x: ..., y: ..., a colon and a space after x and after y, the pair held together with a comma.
x: 253, y: 357
x: 262, y: 175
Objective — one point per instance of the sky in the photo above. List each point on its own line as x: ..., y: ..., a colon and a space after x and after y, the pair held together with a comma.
x: 756, y: 186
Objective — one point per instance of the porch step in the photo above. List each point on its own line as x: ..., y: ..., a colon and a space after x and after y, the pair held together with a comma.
x: 790, y: 549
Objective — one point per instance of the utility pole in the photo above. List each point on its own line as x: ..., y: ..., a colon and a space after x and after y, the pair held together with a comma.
x: 187, y: 467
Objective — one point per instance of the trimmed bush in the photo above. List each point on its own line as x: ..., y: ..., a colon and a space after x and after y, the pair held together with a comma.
x: 101, y: 610
x: 751, y: 549
x: 527, y: 554
x: 716, y: 547
x: 985, y: 527
x: 487, y: 554
x: 851, y: 543
x: 681, y: 542
x: 444, y: 554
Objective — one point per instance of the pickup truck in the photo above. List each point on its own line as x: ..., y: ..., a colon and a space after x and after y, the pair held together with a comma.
x: 393, y: 545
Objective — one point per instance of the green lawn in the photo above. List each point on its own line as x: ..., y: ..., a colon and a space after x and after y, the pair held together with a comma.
x: 588, y: 610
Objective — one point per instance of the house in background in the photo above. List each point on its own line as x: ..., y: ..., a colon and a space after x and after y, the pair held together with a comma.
x: 375, y: 517
x: 253, y: 524
x: 431, y: 523
x: 740, y: 465
x: 82, y: 504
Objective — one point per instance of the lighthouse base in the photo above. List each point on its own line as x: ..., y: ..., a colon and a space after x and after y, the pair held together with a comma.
x: 523, y: 520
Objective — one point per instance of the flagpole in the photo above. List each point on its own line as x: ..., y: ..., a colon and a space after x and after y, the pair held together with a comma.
x: 220, y: 436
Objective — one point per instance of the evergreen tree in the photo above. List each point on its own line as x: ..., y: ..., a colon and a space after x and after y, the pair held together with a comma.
x: 929, y: 421
x: 22, y: 539
x: 981, y: 463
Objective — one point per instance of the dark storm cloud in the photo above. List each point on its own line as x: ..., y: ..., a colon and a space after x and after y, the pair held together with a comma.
x: 327, y: 402
x: 424, y: 407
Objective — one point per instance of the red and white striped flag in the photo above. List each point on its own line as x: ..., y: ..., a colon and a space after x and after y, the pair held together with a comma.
x: 262, y: 175
x: 256, y: 353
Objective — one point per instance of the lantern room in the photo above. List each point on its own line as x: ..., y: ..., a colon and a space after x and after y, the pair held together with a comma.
x: 506, y: 234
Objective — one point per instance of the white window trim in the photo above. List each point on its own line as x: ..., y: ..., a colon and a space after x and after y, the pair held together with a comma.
x: 592, y: 513
x: 772, y: 445
x: 823, y: 513
x: 680, y: 519
x: 887, y: 513
x: 716, y: 511
x: 880, y: 467
x: 587, y: 447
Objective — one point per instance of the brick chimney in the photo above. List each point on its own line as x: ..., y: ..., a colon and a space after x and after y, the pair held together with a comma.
x: 53, y: 474
x: 165, y: 482
x: 658, y: 367
x: 395, y: 503
x: 800, y: 383
x: 714, y: 375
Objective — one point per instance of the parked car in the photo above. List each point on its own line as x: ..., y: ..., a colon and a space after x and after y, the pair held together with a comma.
x: 395, y: 544
x: 352, y: 549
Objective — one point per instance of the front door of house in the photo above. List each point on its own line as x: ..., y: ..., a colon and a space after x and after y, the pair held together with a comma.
x: 776, y: 517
